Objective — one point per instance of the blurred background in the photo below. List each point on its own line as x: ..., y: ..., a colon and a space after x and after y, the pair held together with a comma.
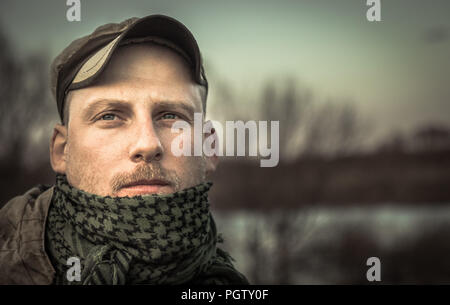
x: 364, y: 112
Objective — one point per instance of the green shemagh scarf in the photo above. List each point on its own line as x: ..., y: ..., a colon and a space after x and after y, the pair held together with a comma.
x: 152, y: 239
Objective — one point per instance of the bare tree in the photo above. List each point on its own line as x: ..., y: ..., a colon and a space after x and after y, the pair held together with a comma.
x: 334, y: 129
x: 25, y: 101
x: 26, y: 111
x: 288, y: 103
x: 306, y: 128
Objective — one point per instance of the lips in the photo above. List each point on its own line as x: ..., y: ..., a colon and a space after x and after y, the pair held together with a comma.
x: 142, y: 187
x: 147, y: 182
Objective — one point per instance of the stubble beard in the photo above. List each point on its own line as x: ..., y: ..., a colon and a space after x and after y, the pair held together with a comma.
x: 82, y: 175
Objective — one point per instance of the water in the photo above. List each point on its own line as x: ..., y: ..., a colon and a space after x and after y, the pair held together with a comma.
x: 318, y: 245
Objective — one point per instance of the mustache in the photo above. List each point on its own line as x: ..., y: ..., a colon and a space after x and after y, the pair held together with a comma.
x: 145, y: 172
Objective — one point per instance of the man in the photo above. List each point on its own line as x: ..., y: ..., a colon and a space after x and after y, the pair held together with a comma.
x: 123, y: 205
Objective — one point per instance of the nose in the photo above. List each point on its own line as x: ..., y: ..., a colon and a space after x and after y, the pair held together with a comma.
x: 146, y: 144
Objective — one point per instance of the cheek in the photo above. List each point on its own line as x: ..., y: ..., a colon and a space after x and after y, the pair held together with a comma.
x: 167, y: 137
x: 93, y: 159
x: 190, y: 169
x: 96, y: 149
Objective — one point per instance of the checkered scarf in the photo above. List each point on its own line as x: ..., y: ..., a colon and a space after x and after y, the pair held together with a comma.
x: 151, y: 239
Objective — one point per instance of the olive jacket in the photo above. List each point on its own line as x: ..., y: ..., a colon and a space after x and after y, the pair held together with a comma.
x: 23, y: 259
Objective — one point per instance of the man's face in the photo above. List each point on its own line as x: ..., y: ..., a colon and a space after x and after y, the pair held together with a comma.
x: 118, y: 138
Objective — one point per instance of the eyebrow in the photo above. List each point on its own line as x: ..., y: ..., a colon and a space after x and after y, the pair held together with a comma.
x: 173, y: 105
x: 93, y: 107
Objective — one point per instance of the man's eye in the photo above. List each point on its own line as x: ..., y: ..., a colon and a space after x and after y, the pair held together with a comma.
x: 108, y: 117
x: 169, y: 116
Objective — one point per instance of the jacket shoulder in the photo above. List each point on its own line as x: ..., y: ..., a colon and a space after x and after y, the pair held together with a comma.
x: 23, y: 259
x: 14, y: 208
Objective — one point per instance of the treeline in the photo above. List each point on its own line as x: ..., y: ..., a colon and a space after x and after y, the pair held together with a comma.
x: 392, y: 176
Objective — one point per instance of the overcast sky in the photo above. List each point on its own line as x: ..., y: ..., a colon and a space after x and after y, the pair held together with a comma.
x: 397, y: 71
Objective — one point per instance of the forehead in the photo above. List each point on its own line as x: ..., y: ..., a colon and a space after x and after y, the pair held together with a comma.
x: 143, y: 71
x: 146, y: 61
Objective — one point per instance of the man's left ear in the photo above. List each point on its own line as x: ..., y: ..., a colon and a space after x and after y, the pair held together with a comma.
x: 212, y: 140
